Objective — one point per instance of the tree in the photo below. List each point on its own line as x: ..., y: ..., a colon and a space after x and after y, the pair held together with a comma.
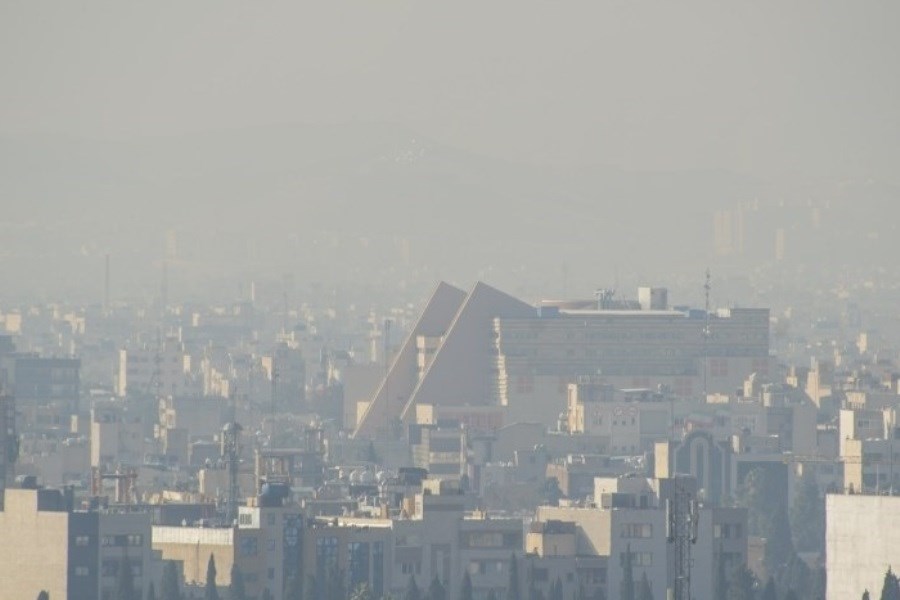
x: 151, y: 592
x: 865, y: 595
x: 721, y: 590
x: 512, y: 588
x: 309, y: 589
x: 412, y: 590
x: 236, y: 590
x: 293, y: 588
x: 819, y: 583
x: 170, y: 588
x: 362, y: 592
x: 267, y: 595
x: 793, y: 575
x: 551, y: 492
x: 436, y: 590
x: 210, y: 591
x: 740, y: 584
x: 808, y: 515
x: 465, y: 590
x: 334, y: 585
x: 43, y: 595
x: 556, y: 590
x: 769, y: 592
x: 125, y: 581
x: 779, y: 547
x: 492, y: 595
x: 644, y: 591
x: 890, y: 590
x: 626, y: 590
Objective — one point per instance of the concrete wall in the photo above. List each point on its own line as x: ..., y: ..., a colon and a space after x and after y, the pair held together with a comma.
x: 38, y: 558
x: 862, y: 540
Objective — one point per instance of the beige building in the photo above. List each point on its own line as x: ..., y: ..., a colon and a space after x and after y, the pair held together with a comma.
x: 117, y: 435
x: 265, y: 544
x: 862, y: 540
x: 165, y: 371
x: 630, y: 513
x: 71, y: 554
x: 490, y: 349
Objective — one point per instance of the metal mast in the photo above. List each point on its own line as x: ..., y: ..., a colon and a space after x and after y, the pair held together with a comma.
x: 231, y: 453
x: 681, y: 525
x: 706, y: 333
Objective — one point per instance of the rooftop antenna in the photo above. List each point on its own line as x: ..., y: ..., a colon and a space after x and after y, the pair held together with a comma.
x: 387, y: 396
x: 706, y: 332
x: 231, y: 453
x: 682, y: 519
x: 164, y: 291
x: 274, y: 390
x: 106, y: 285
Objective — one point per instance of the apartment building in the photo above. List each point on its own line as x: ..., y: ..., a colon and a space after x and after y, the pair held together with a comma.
x: 72, y: 554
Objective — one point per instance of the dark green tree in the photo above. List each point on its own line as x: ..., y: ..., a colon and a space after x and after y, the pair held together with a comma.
x: 793, y: 575
x: 818, y: 585
x: 808, y: 515
x: 436, y: 590
x: 43, y: 595
x: 865, y: 595
x: 412, y: 590
x: 721, y: 590
x: 170, y: 588
x: 210, y: 591
x: 465, y: 590
x: 335, y: 589
x: 551, y: 492
x: 741, y: 584
x: 512, y: 588
x: 890, y: 590
x: 362, y: 592
x: 769, y: 592
x: 309, y: 588
x: 644, y: 590
x: 556, y: 590
x: 293, y: 587
x: 125, y: 581
x: 236, y: 589
x: 151, y: 592
x: 626, y: 590
x: 779, y: 547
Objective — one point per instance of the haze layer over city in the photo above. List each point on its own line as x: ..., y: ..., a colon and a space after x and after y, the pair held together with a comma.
x: 520, y: 300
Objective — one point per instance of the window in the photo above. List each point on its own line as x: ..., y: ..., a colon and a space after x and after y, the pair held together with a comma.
x: 637, y: 530
x: 82, y: 540
x: 358, y: 560
x: 82, y: 571
x: 271, y: 573
x: 271, y: 545
x: 245, y: 519
x: 135, y: 540
x: 638, y: 559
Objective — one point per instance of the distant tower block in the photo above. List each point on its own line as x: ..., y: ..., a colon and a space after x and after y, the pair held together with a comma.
x: 171, y: 245
x: 779, y: 245
x: 653, y: 298
x: 106, y: 284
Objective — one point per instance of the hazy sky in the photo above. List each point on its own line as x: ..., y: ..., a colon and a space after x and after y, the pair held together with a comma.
x: 764, y: 88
